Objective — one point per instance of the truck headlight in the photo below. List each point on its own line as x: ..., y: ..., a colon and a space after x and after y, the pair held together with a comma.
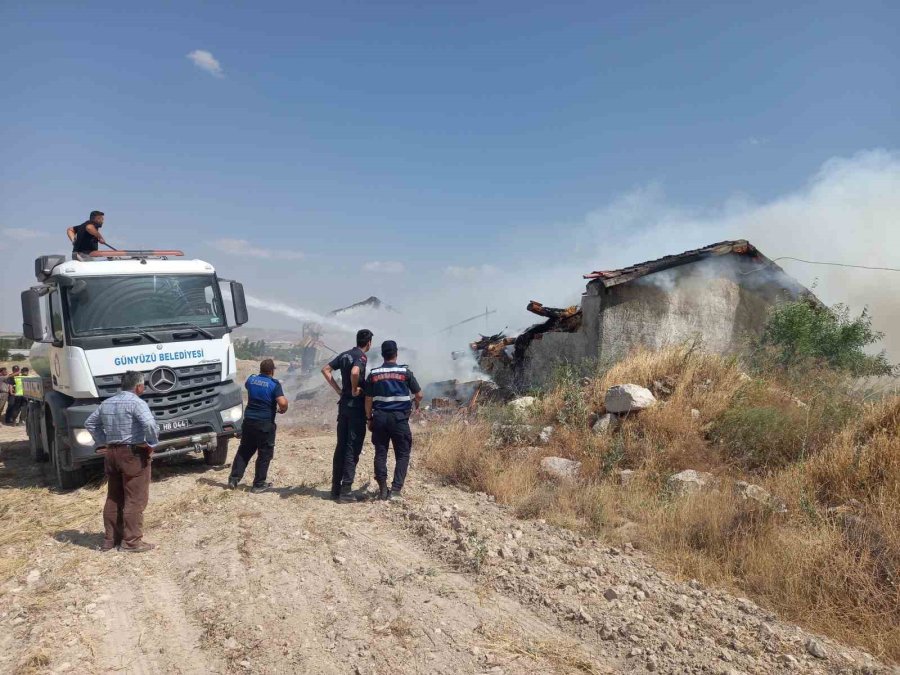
x: 83, y: 437
x: 232, y: 414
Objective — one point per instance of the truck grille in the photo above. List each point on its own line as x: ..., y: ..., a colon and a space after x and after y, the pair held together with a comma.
x: 197, y: 389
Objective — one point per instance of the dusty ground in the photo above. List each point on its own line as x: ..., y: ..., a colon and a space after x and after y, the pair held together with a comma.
x: 288, y: 581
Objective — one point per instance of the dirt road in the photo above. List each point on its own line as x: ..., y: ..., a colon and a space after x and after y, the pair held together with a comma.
x: 290, y: 582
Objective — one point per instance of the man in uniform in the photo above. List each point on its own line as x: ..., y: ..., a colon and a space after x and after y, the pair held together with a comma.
x: 125, y: 427
x: 86, y: 238
x: 351, y: 421
x: 265, y: 397
x: 391, y: 392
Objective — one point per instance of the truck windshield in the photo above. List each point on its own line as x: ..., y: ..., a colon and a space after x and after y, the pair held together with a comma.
x: 108, y: 304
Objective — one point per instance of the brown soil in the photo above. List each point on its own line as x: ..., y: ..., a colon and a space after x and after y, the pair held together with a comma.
x: 289, y: 581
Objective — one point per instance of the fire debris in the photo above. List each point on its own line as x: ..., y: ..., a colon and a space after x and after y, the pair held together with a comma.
x: 453, y: 395
x: 493, y: 350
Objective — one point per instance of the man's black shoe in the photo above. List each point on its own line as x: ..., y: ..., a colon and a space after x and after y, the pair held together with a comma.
x: 395, y: 495
x: 256, y: 489
x: 233, y: 483
x: 383, y: 491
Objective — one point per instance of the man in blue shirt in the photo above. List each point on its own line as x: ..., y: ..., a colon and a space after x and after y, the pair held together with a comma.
x: 351, y: 421
x: 125, y: 431
x: 391, y: 392
x: 265, y: 397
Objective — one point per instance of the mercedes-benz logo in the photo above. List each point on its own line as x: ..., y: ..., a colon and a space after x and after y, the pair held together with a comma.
x: 163, y: 380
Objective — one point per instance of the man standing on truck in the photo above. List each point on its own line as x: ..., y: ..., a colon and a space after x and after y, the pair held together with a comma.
x: 351, y: 421
x: 391, y: 391
x: 124, y: 426
x: 86, y: 238
x: 265, y: 397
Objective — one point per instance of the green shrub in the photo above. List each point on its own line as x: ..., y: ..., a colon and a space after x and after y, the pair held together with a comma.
x: 804, y: 331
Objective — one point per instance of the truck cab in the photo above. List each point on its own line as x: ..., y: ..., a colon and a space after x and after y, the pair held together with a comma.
x: 94, y: 318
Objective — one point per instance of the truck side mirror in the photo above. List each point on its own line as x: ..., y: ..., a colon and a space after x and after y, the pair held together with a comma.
x: 32, y: 321
x: 240, y: 304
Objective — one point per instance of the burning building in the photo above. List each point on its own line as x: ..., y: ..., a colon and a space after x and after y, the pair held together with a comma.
x: 719, y: 294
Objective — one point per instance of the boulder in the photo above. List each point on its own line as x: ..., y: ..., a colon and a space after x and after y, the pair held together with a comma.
x: 605, y: 423
x: 560, y: 468
x: 688, y: 481
x: 625, y: 476
x: 759, y: 495
x: 624, y: 398
x: 546, y: 434
x: 522, y: 403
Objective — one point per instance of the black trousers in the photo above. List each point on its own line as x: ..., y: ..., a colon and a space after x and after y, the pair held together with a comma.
x: 256, y: 435
x: 351, y: 434
x: 13, y: 408
x: 391, y: 427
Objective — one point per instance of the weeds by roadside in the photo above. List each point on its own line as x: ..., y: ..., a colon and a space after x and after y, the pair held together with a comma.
x: 830, y: 561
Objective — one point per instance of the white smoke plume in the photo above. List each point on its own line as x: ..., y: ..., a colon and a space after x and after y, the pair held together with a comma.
x: 848, y: 211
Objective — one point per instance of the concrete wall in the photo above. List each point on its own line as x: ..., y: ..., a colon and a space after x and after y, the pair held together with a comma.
x: 720, y: 301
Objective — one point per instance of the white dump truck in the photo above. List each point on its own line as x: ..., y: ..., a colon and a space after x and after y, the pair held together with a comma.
x: 98, y: 316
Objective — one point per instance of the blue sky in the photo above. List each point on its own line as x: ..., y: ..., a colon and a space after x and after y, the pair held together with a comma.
x: 448, y: 142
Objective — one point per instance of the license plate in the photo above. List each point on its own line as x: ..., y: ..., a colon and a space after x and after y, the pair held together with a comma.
x: 174, y: 425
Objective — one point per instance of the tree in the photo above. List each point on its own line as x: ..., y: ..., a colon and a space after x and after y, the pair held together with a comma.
x: 806, y: 331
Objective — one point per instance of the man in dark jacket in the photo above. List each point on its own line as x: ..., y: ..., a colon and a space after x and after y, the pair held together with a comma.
x: 391, y: 392
x: 351, y: 421
x: 86, y: 238
x: 265, y: 397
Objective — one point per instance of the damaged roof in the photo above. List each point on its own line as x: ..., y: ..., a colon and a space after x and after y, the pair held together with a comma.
x: 740, y: 247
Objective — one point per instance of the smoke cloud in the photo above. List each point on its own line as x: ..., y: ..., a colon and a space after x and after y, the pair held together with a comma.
x: 848, y: 211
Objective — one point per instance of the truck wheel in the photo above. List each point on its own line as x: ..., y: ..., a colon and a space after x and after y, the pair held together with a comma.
x: 218, y: 456
x: 34, y: 426
x: 66, y: 478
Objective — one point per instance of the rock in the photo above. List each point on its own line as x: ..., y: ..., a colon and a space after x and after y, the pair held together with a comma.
x: 605, y: 423
x: 546, y: 434
x: 584, y: 616
x: 231, y: 644
x: 625, y: 476
x: 560, y: 468
x: 695, y: 414
x: 815, y: 648
x: 788, y: 660
x: 759, y: 495
x: 624, y: 398
x: 522, y: 403
x: 610, y: 594
x: 456, y: 523
x: 33, y: 577
x: 688, y: 482
x: 339, y: 559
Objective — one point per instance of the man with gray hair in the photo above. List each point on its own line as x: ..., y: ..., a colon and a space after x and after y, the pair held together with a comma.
x: 124, y: 429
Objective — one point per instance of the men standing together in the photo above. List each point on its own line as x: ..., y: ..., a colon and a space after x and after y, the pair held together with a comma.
x: 351, y: 421
x: 391, y: 392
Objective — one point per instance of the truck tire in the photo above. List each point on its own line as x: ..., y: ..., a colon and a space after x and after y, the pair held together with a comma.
x: 218, y: 456
x: 67, y: 477
x: 34, y: 426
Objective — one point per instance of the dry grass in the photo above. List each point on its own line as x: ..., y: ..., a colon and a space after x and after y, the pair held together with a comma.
x: 832, y: 562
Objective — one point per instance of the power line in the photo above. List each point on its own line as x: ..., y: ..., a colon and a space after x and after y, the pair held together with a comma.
x: 831, y: 264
